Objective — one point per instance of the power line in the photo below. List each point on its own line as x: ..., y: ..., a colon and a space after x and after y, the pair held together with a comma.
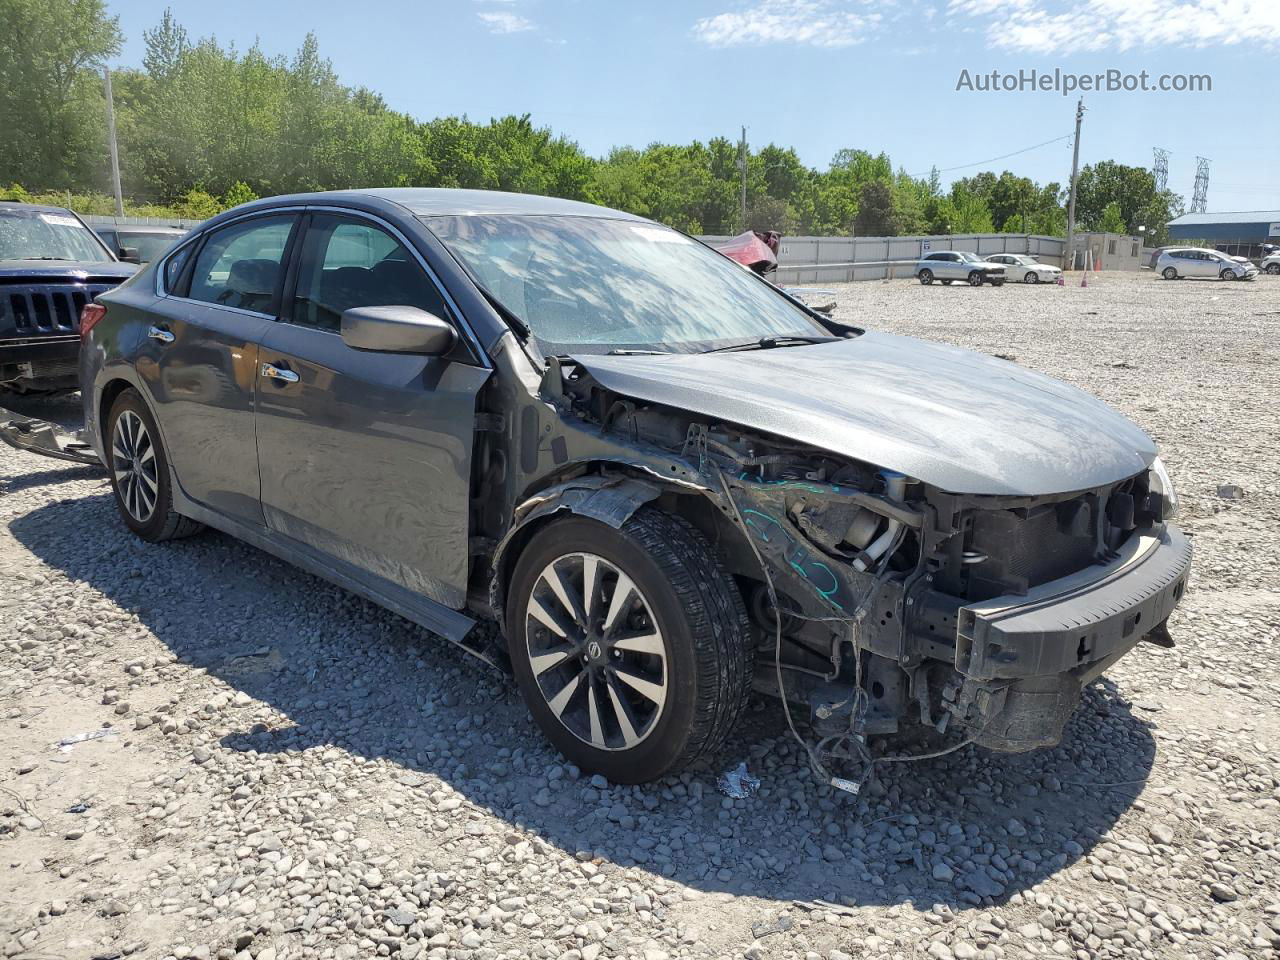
x: 1003, y: 156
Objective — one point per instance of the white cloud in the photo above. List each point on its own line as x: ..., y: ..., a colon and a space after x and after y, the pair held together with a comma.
x: 1091, y: 26
x: 506, y: 22
x: 817, y: 23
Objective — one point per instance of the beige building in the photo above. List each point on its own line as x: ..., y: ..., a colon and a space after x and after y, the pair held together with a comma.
x: 1110, y: 251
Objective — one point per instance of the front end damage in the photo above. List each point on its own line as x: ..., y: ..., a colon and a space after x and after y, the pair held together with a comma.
x: 879, y: 601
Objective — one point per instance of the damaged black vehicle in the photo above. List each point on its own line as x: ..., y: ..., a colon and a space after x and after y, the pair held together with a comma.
x: 667, y: 481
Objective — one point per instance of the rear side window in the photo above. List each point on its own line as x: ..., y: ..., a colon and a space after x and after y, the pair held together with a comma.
x: 239, y: 265
x: 348, y: 263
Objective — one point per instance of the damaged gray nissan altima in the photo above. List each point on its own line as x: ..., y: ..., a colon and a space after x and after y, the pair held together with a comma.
x: 665, y: 479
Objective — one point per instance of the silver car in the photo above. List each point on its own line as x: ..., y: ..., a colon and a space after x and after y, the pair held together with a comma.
x: 949, y: 266
x: 1021, y: 268
x: 666, y: 480
x: 1177, y: 263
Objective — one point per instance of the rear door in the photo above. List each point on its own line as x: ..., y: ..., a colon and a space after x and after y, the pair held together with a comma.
x: 366, y: 456
x: 200, y: 357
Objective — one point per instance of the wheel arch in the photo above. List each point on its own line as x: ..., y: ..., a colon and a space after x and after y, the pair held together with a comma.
x: 610, y: 492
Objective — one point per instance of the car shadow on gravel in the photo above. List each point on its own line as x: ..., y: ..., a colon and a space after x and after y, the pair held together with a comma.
x: 46, y: 478
x: 964, y: 829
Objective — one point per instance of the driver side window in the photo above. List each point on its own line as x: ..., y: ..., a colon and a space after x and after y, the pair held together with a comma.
x: 348, y: 263
x: 239, y: 266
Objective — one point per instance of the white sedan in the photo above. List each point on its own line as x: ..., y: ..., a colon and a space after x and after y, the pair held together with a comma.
x: 1019, y: 266
x: 1271, y: 264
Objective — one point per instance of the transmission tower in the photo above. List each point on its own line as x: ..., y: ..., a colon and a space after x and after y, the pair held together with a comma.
x: 1200, y: 197
x: 1160, y: 169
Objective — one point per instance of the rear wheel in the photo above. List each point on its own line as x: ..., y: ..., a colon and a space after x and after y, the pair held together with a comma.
x: 1170, y: 273
x: 631, y: 647
x: 140, y: 472
x: 926, y: 277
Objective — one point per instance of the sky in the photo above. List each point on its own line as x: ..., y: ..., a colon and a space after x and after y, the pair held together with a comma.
x: 816, y: 75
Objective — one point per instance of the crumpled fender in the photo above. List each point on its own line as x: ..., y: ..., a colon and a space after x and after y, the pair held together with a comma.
x: 609, y: 499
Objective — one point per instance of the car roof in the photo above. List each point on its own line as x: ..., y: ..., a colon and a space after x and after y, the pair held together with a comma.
x: 31, y: 207
x: 438, y: 202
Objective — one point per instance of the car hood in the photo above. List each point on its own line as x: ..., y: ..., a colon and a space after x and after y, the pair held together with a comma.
x: 959, y: 420
x: 66, y: 270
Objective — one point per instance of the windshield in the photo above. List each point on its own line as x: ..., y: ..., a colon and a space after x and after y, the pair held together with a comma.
x: 44, y: 235
x: 970, y: 258
x: 588, y: 285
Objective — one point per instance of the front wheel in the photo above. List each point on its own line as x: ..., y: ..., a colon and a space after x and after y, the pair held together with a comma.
x: 926, y: 277
x: 1273, y: 269
x: 631, y: 646
x: 1031, y: 277
x: 1227, y: 275
x: 975, y: 279
x: 1170, y: 273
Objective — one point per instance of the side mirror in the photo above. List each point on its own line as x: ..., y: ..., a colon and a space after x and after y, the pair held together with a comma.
x: 397, y: 330
x: 129, y: 254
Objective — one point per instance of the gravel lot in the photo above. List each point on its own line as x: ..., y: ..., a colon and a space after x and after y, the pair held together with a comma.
x: 288, y: 771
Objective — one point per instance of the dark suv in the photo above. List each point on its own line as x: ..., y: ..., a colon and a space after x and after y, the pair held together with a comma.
x: 667, y: 480
x: 51, y: 265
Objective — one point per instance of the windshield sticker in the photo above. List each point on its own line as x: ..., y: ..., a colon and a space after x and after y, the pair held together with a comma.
x: 657, y: 235
x: 58, y: 220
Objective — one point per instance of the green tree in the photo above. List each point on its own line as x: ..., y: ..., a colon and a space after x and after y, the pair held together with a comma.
x: 51, y: 102
x: 239, y: 193
x: 876, y: 217
x: 1112, y: 220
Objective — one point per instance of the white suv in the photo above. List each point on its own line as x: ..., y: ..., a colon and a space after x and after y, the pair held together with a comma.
x: 1179, y: 262
x: 1271, y: 263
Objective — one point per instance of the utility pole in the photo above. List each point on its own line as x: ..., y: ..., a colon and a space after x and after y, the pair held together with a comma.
x: 742, y: 166
x: 111, y: 136
x: 1071, y: 204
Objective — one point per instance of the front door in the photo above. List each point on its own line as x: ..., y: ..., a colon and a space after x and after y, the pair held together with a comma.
x: 200, y: 359
x: 365, y: 456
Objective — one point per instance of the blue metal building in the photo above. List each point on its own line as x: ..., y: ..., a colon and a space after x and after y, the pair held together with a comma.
x: 1248, y: 226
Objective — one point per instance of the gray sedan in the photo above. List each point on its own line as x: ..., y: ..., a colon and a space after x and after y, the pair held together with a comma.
x: 667, y: 481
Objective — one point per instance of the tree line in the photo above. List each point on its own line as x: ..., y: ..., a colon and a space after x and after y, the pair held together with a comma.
x: 203, y: 126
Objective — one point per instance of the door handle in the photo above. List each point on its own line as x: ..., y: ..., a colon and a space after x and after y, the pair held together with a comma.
x: 161, y: 334
x: 279, y: 373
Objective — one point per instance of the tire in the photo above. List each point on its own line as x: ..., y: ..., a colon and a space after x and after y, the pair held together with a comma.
x: 1031, y: 277
x: 686, y: 631
x: 1273, y: 269
x: 139, y: 471
x: 1170, y: 273
x: 975, y: 278
x: 926, y: 277
x: 1227, y: 275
